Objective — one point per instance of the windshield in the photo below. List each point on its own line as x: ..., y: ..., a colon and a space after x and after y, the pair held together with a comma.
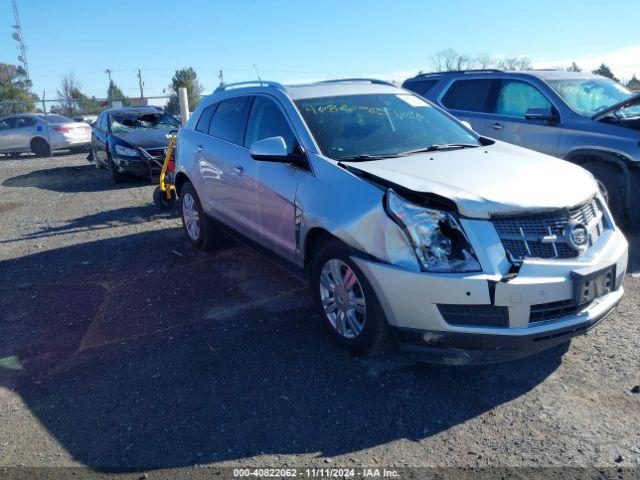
x: 378, y: 125
x: 126, y: 122
x: 590, y: 96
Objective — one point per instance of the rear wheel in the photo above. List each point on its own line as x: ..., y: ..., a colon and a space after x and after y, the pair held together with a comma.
x: 348, y: 305
x: 40, y: 147
x: 612, y: 187
x: 199, y: 230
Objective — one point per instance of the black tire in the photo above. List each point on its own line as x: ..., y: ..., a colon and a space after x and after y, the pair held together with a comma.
x: 116, y: 176
x: 40, y: 147
x: 208, y: 236
x: 612, y: 186
x: 97, y: 163
x: 161, y: 201
x: 375, y: 337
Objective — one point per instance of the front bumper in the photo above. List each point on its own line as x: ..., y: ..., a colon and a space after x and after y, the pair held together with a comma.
x: 410, y: 301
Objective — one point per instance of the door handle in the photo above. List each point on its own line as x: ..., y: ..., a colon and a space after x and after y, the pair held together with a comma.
x: 239, y: 169
x: 199, y: 148
x: 496, y: 126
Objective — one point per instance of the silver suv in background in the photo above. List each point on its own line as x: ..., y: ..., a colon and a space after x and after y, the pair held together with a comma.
x: 405, y: 223
x: 586, y: 119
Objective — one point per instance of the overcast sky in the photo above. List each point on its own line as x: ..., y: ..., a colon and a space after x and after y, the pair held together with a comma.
x: 292, y: 40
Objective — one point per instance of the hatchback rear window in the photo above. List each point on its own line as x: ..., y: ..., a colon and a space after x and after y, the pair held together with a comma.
x: 228, y: 120
x: 468, y: 95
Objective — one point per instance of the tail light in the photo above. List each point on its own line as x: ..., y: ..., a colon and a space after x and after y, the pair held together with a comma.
x: 62, y: 129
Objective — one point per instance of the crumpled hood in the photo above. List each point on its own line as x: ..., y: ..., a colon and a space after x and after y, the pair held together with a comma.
x: 500, y: 179
x: 629, y: 102
x: 145, y: 138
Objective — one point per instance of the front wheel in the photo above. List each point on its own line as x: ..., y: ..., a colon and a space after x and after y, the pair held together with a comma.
x: 610, y: 182
x: 116, y: 176
x: 347, y: 303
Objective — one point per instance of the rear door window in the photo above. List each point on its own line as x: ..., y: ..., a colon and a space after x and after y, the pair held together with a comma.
x: 469, y: 95
x: 517, y: 97
x: 228, y: 120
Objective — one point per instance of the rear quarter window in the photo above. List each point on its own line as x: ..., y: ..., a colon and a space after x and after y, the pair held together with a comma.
x: 421, y: 87
x: 469, y: 95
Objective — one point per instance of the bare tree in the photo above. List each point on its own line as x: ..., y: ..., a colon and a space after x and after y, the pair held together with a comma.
x: 515, y: 63
x: 484, y: 60
x: 448, y: 60
x: 70, y: 94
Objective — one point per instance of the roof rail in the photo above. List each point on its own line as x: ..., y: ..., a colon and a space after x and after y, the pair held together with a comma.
x: 252, y: 83
x: 477, y: 70
x: 370, y: 80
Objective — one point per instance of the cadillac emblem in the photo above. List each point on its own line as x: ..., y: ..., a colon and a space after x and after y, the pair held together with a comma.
x: 576, y: 236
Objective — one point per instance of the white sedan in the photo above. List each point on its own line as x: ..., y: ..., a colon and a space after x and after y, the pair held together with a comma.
x: 39, y: 134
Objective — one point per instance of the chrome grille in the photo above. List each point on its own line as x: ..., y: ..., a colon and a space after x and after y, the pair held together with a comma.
x: 155, y: 152
x: 542, y: 235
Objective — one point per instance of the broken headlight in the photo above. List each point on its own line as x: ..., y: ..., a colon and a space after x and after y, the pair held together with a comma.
x: 435, y: 235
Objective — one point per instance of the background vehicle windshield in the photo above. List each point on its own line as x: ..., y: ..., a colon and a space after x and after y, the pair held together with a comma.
x: 126, y: 122
x: 378, y: 124
x: 58, y: 119
x: 591, y: 96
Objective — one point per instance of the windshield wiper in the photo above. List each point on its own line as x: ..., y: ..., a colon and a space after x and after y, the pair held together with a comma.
x: 364, y: 157
x: 439, y: 146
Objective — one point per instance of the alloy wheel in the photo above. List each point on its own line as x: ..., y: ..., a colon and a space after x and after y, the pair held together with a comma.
x: 342, y: 298
x: 191, y: 216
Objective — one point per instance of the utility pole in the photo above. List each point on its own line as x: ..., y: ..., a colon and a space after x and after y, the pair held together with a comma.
x: 141, y: 83
x: 17, y: 36
x: 221, y: 77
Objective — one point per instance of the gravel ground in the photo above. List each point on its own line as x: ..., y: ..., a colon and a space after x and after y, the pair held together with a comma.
x: 124, y: 348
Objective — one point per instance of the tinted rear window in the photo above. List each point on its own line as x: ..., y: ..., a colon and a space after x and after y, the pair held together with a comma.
x: 468, y: 95
x: 228, y: 120
x: 421, y: 87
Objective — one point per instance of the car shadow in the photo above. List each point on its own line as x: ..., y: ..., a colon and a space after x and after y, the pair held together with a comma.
x: 100, y: 221
x: 73, y: 179
x: 139, y: 352
x: 31, y: 156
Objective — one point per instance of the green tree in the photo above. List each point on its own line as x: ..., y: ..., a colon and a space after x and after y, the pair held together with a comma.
x: 634, y: 83
x: 115, y: 94
x: 574, y: 68
x: 605, y: 71
x: 15, y: 89
x: 187, y: 78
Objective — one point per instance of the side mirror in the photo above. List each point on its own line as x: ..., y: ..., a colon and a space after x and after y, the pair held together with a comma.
x: 466, y: 124
x: 273, y: 149
x: 541, y: 114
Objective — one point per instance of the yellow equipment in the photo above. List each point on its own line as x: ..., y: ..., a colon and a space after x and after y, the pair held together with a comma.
x: 164, y: 195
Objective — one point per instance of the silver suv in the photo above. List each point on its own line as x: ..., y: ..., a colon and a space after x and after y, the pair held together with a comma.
x: 405, y: 223
x: 586, y: 119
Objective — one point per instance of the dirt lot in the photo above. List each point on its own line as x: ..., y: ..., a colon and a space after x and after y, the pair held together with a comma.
x: 122, y: 347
